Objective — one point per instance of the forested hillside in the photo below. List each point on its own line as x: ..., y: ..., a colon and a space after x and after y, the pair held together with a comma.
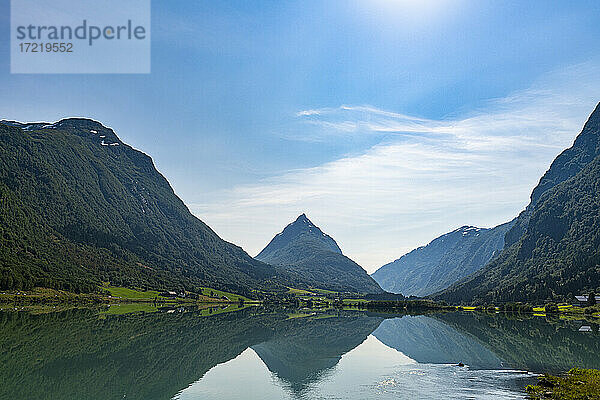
x: 78, y: 207
x: 558, y: 254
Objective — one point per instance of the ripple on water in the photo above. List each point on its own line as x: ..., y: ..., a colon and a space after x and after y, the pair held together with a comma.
x: 449, y: 381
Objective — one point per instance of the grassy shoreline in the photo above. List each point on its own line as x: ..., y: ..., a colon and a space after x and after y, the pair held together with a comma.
x: 120, y: 295
x: 115, y: 295
x: 576, y: 384
x: 563, y: 311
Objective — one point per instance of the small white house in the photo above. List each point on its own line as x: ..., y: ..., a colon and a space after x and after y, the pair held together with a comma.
x: 584, y: 298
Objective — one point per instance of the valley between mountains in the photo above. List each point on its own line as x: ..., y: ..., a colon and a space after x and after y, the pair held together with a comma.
x: 80, y: 210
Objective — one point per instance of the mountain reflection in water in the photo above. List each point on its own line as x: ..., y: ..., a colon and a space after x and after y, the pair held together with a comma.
x: 266, y: 354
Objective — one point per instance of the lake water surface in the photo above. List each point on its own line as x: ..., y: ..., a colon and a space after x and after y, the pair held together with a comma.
x: 256, y: 353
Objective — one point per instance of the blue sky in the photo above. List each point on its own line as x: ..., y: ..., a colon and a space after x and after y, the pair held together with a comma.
x: 388, y: 122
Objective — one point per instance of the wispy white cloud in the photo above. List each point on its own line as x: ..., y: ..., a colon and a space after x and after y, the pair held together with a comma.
x: 424, y: 177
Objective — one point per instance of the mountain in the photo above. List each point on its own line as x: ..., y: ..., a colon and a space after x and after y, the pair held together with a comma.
x: 429, y: 341
x: 443, y: 261
x: 558, y: 253
x: 302, y: 352
x: 303, y: 251
x: 568, y: 164
x: 78, y: 207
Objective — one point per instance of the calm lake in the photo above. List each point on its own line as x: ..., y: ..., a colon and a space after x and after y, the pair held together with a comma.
x: 256, y: 353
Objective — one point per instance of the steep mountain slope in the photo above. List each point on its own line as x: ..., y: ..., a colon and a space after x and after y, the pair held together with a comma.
x: 311, y: 257
x: 558, y: 254
x: 443, y: 261
x: 585, y: 148
x: 556, y: 258
x: 79, y: 207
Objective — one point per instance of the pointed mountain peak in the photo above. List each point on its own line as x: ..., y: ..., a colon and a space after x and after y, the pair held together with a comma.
x: 302, y: 225
x: 302, y: 229
x: 314, y: 258
x: 303, y: 219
